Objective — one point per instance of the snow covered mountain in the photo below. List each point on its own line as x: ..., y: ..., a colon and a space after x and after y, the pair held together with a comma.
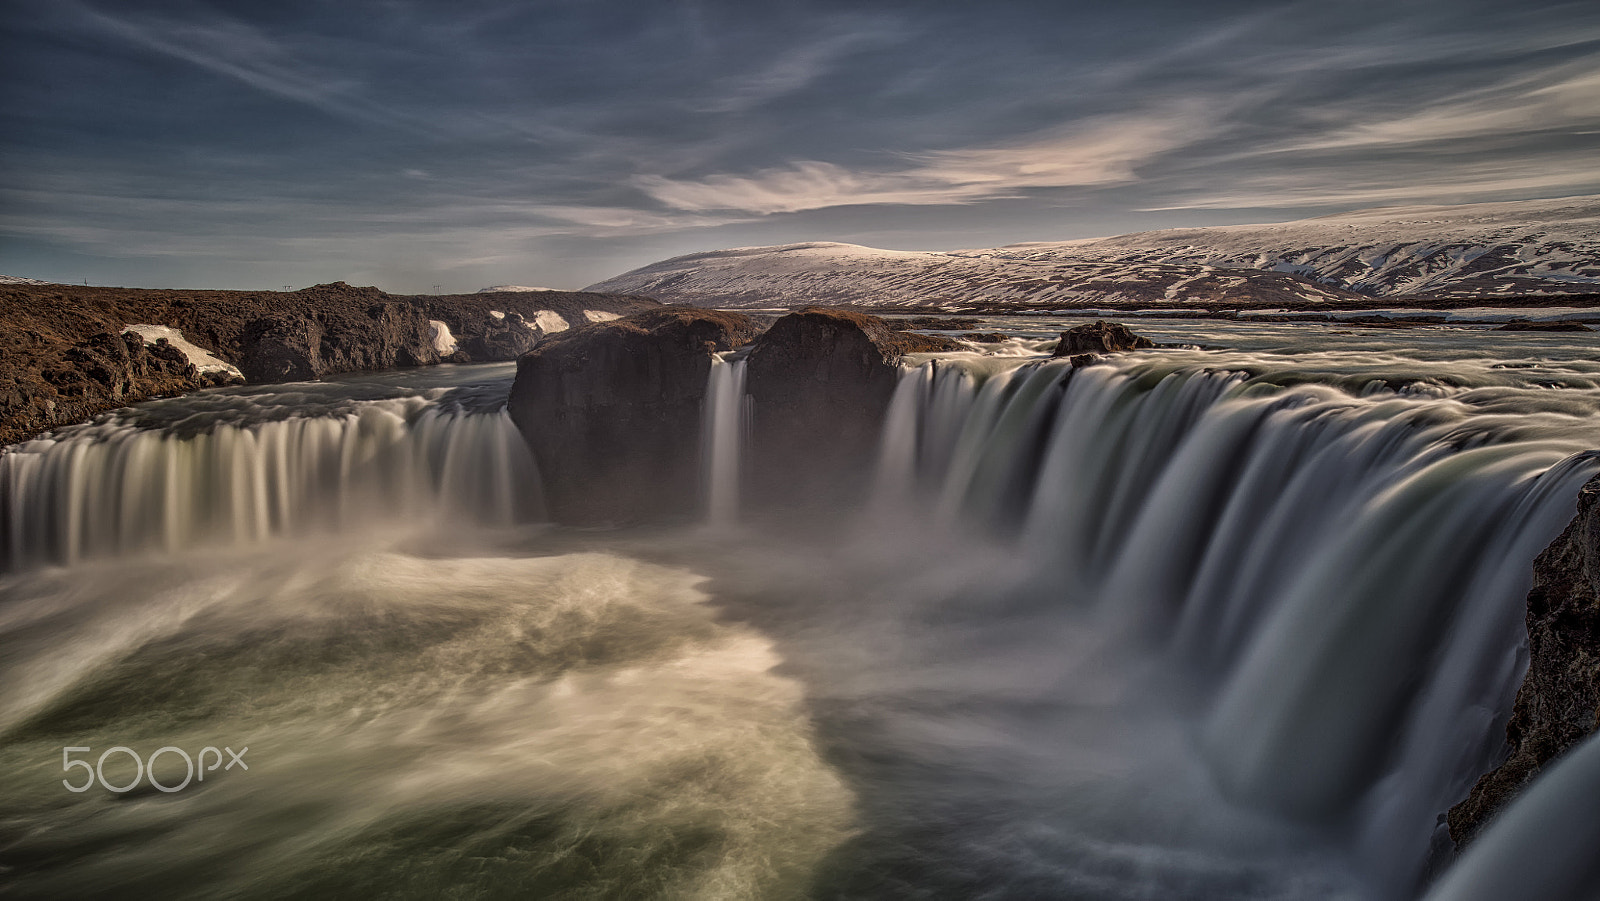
x: 1435, y: 253
x: 19, y: 280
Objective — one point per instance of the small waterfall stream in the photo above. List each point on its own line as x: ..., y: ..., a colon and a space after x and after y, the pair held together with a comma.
x: 723, y: 437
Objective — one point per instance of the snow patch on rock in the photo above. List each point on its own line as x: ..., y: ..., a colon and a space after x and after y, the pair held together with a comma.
x: 19, y: 280
x: 601, y: 315
x: 550, y: 321
x: 202, y: 359
x: 497, y: 314
x: 443, y: 341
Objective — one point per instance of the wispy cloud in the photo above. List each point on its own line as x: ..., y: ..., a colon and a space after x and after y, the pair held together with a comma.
x: 235, y: 50
x: 1100, y: 152
x: 795, y: 68
x: 1352, y: 184
x: 1562, y: 99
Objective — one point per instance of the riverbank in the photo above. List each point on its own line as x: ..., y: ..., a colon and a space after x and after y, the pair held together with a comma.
x: 65, y: 354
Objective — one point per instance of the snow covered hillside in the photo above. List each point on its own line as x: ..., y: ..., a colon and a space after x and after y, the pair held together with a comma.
x: 1528, y: 247
x: 848, y: 274
x: 1502, y: 249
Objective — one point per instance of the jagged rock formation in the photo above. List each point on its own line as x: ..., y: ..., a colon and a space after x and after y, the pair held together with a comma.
x: 1559, y: 702
x: 612, y: 412
x: 820, y: 380
x: 295, y: 347
x: 51, y: 374
x: 1444, y: 254
x: 503, y: 325
x: 84, y: 377
x: 1099, y: 338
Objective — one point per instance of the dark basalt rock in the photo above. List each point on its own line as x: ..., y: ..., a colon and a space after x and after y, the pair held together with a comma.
x: 1099, y: 338
x: 283, y: 348
x: 820, y: 380
x: 122, y: 365
x: 1558, y: 704
x: 612, y: 412
x: 77, y: 379
x: 501, y: 339
x: 1561, y: 325
x: 288, y: 347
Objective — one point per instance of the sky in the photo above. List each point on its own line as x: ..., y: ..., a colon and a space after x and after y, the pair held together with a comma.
x: 409, y: 144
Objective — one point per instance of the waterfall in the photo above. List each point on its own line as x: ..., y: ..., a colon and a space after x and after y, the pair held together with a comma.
x: 723, y: 434
x: 1341, y: 577
x: 1543, y: 846
x: 929, y: 409
x: 1334, y: 575
x: 117, y: 487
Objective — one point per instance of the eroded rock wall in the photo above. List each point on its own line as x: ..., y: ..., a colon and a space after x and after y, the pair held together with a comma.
x: 57, y: 365
x: 298, y: 346
x: 1559, y: 702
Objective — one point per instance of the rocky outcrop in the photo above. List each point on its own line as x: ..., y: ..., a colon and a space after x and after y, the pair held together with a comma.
x: 613, y: 412
x: 504, y: 338
x: 86, y: 377
x: 491, y: 326
x: 1100, y: 337
x: 1559, y: 702
x: 291, y: 347
x: 820, y: 380
x: 52, y: 375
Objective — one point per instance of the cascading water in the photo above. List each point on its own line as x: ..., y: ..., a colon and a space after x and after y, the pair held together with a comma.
x: 1188, y: 624
x: 1345, y: 574
x: 238, y: 472
x: 723, y: 437
x: 425, y: 706
x: 1544, y: 846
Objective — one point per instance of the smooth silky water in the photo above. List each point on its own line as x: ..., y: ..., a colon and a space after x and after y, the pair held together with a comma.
x: 1236, y: 622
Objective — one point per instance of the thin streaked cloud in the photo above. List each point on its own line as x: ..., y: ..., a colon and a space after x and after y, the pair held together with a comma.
x: 1102, y: 152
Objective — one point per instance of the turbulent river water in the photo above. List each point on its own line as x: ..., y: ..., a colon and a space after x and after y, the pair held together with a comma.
x: 1238, y: 619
